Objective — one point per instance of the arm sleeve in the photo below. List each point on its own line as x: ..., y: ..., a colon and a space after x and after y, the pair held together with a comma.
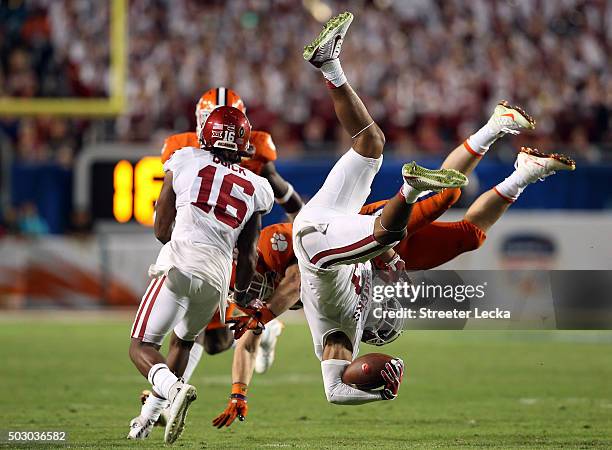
x: 339, y: 393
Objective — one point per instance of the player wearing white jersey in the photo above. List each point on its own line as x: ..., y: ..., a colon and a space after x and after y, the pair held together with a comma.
x: 215, y: 205
x: 333, y: 242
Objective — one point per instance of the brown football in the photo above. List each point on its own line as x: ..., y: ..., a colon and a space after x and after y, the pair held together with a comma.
x: 364, y: 372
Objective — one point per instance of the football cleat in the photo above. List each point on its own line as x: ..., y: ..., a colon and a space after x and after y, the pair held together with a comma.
x: 267, y: 345
x: 181, y: 397
x: 162, y: 420
x: 328, y: 44
x: 432, y: 180
x: 140, y: 428
x: 536, y: 165
x: 507, y: 119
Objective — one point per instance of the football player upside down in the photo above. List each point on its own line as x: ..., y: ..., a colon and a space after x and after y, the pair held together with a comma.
x: 427, y: 243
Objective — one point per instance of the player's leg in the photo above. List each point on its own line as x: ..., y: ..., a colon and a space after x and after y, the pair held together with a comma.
x: 323, y: 53
x: 367, y: 138
x: 218, y: 340
x: 203, y: 301
x: 531, y: 166
x: 506, y: 119
x: 161, y: 308
x: 391, y: 225
x: 440, y: 242
x: 266, y: 350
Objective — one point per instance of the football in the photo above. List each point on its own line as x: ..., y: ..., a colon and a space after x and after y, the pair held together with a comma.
x: 364, y: 372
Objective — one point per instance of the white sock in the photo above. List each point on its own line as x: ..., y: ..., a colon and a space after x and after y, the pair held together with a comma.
x: 512, y: 187
x: 162, y: 379
x: 480, y: 141
x: 332, y: 71
x: 409, y: 193
x: 153, y: 407
x: 194, y: 358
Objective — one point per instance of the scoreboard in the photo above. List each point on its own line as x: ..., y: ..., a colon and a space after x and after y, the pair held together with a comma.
x: 114, y: 188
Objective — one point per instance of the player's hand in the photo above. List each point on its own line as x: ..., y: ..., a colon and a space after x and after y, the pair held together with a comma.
x: 392, y: 374
x: 392, y: 269
x: 257, y: 315
x: 396, y: 264
x: 236, y: 407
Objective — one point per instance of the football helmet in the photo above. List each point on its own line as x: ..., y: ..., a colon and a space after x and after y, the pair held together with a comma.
x: 213, y: 98
x: 226, y: 132
x: 383, y: 330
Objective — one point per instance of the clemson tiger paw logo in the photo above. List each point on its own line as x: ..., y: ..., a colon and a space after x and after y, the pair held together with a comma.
x: 279, y: 242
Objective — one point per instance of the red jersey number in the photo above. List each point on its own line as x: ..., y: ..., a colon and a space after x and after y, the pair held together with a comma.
x: 224, y: 198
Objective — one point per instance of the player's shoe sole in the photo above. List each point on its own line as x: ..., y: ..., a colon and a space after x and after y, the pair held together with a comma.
x: 335, y: 28
x: 432, y: 180
x: 556, y: 161
x: 538, y: 165
x: 178, y: 411
x: 514, y: 116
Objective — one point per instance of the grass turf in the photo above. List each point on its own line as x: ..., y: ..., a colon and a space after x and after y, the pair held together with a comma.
x: 463, y: 390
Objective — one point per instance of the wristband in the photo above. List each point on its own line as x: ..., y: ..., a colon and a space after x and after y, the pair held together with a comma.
x: 239, y: 390
x: 285, y: 198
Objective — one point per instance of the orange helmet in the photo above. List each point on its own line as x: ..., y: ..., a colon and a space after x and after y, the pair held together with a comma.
x: 213, y: 98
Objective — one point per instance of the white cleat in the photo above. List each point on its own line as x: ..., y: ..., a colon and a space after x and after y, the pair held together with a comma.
x: 328, y: 44
x: 181, y: 396
x: 163, y: 416
x: 536, y: 165
x: 140, y: 428
x: 267, y: 345
x: 508, y: 119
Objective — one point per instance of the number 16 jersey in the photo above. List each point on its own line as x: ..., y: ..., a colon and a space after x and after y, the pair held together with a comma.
x: 214, y: 200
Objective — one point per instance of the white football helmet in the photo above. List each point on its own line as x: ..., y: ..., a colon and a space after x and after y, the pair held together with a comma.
x: 383, y: 330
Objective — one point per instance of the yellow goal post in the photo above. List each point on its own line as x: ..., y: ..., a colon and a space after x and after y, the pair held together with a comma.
x: 71, y: 106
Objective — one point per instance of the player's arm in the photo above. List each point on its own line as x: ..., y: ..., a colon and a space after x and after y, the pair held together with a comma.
x: 337, y: 355
x: 165, y: 210
x: 284, y: 194
x: 247, y: 258
x: 285, y: 295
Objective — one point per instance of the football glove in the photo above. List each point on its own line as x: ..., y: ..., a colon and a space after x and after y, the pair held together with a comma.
x: 392, y: 374
x: 396, y: 264
x: 236, y: 407
x: 257, y: 315
x: 392, y: 270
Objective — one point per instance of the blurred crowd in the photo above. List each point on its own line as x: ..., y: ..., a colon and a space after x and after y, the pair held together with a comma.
x: 430, y: 71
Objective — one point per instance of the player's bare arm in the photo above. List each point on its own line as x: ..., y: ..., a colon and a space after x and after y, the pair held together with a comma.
x: 284, y: 296
x: 165, y: 210
x: 284, y: 193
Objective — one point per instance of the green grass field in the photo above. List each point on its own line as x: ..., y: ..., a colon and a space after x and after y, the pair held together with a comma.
x: 463, y: 390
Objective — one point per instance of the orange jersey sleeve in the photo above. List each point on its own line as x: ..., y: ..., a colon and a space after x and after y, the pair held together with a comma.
x: 275, y: 247
x: 371, y: 208
x: 177, y: 142
x: 265, y: 151
x: 425, y: 211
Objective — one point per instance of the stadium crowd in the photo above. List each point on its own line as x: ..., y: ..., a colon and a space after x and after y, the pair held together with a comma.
x: 430, y: 71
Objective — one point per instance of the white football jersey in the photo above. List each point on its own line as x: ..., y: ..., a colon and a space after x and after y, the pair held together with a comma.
x: 214, y: 199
